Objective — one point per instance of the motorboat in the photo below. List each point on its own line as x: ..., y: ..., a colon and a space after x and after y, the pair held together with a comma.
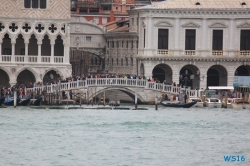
x: 199, y: 103
x: 228, y: 104
x: 213, y: 103
x: 178, y: 104
x: 239, y: 103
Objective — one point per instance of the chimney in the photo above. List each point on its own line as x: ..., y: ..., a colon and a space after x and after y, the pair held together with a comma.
x: 112, y: 16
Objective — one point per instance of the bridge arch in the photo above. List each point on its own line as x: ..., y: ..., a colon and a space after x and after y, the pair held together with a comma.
x: 128, y: 91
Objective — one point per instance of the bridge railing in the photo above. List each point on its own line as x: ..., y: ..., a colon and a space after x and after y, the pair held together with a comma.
x: 110, y: 82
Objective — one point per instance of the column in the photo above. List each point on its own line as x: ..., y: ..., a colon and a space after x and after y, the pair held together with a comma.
x: 66, y: 54
x: 13, y: 52
x: 39, y: 53
x: 26, y: 58
x: 52, y: 53
x: 150, y: 36
x: 177, y: 36
x: 231, y: 39
x: 204, y: 36
x: 0, y: 52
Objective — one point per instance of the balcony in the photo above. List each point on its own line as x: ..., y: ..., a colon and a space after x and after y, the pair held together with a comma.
x: 244, y: 53
x: 31, y: 59
x: 163, y: 52
x: 217, y: 52
x: 190, y: 52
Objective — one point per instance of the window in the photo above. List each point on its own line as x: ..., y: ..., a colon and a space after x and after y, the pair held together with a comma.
x: 190, y: 39
x: 245, y: 40
x: 217, y: 40
x: 113, y: 44
x: 27, y: 3
x: 163, y: 39
x: 131, y: 59
x: 132, y: 21
x: 7, y: 51
x: 96, y: 20
x: 88, y: 38
x: 121, y: 62
x: 126, y: 61
x: 132, y: 44
x: 104, y: 20
x: 112, y: 62
x: 117, y: 44
x: 116, y: 8
x: 35, y: 4
x: 42, y: 4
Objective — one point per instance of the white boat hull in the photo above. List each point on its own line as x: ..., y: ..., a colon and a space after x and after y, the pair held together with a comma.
x: 240, y: 106
x: 213, y: 105
x: 198, y: 105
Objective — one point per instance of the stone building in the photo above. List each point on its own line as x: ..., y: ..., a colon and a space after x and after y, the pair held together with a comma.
x: 209, y: 39
x: 121, y: 49
x: 34, y: 41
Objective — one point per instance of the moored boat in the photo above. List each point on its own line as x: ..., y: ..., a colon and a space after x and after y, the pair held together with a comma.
x: 178, y: 104
x: 2, y: 100
x: 228, y: 104
x: 24, y: 102
x: 10, y: 102
x: 213, y: 103
x: 199, y: 103
x: 239, y: 103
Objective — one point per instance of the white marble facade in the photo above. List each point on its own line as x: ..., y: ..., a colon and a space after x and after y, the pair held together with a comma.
x: 178, y: 16
x: 34, y: 39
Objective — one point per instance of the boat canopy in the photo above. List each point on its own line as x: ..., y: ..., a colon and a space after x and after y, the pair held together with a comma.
x: 221, y: 87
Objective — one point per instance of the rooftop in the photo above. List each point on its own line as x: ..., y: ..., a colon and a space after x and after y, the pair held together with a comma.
x: 200, y: 4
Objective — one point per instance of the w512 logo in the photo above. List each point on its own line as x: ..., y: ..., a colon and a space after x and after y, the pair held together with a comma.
x: 234, y: 158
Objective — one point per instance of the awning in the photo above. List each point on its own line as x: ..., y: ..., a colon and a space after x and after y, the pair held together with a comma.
x: 220, y: 87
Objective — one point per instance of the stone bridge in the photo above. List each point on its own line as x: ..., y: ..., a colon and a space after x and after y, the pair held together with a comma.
x: 146, y: 91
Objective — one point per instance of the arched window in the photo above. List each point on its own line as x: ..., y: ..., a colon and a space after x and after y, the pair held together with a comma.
x: 131, y: 59
x: 95, y: 60
x: 121, y: 62
x: 112, y: 61
x: 126, y: 61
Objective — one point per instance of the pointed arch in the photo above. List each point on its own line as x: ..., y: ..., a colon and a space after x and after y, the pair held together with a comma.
x: 59, y: 47
x: 57, y: 71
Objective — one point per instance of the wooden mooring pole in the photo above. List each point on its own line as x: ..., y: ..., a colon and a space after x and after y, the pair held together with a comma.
x: 156, y: 100
x: 135, y: 100
x: 15, y: 97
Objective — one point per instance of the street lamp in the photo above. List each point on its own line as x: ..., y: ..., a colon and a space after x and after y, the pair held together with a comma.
x: 185, y: 79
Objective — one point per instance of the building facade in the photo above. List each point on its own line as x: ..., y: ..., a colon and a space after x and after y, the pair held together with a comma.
x: 34, y: 41
x: 208, y: 39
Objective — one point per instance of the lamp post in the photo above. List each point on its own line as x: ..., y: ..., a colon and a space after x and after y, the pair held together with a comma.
x: 185, y: 84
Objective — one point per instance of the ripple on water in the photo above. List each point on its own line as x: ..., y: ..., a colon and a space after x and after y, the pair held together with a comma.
x: 125, y: 137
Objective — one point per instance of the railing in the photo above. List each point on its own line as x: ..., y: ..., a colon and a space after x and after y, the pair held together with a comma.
x: 6, y: 58
x: 163, y: 52
x: 111, y: 82
x: 58, y: 59
x: 32, y: 58
x: 217, y: 52
x: 244, y: 52
x: 189, y: 52
x: 19, y: 58
x: 46, y: 59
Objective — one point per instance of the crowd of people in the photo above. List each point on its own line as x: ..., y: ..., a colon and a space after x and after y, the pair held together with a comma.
x: 8, y: 92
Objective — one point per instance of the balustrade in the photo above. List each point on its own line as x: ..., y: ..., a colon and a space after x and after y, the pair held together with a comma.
x: 114, y: 82
x: 163, y: 52
x: 6, y: 58
x: 19, y: 58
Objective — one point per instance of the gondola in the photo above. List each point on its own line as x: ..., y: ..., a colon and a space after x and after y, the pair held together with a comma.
x: 10, y: 102
x: 178, y: 104
x: 38, y: 101
x: 24, y: 102
x: 2, y: 100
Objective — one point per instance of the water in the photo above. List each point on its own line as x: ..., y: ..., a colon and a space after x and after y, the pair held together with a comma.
x: 195, y: 137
